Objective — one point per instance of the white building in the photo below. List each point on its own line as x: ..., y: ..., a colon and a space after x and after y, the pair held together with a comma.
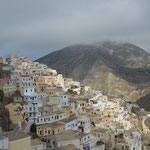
x: 37, y: 145
x: 32, y: 110
x: 70, y: 124
x: 3, y: 142
x: 63, y: 101
x: 50, y: 118
x: 84, y: 124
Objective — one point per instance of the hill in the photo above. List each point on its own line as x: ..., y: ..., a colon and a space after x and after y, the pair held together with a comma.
x: 117, y: 69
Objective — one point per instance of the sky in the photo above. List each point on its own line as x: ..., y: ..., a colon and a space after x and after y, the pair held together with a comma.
x: 38, y: 27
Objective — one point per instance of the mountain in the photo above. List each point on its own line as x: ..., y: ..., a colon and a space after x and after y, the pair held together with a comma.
x: 144, y: 102
x: 117, y: 69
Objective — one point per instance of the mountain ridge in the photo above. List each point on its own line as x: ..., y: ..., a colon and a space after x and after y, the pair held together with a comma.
x: 104, y: 63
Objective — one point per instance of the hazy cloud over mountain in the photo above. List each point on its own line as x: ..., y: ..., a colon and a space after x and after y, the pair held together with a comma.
x: 36, y: 27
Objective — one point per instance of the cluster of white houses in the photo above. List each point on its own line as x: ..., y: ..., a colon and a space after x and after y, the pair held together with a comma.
x: 62, y: 111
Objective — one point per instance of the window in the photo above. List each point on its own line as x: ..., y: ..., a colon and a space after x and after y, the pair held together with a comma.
x: 30, y: 114
x: 30, y: 108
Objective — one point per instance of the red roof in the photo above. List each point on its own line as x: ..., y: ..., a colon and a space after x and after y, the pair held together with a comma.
x: 24, y: 75
x: 59, y: 86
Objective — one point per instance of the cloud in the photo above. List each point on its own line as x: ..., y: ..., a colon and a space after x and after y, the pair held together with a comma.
x: 38, y: 27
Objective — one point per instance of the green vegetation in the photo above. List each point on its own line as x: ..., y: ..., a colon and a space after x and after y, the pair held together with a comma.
x: 17, y: 93
x: 4, y: 118
x: 82, y: 91
x: 109, y: 115
x: 33, y: 128
x: 72, y: 92
x: 73, y: 87
x: 1, y: 96
x: 93, y: 123
x: 43, y: 140
x: 99, y: 143
x: 120, y: 135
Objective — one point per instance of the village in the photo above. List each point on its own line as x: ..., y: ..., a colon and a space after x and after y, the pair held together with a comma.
x: 45, y: 111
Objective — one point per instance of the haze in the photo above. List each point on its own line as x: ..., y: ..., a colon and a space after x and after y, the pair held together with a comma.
x: 36, y: 27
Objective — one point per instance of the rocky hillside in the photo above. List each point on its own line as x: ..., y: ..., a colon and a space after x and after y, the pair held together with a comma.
x: 144, y: 102
x: 117, y: 69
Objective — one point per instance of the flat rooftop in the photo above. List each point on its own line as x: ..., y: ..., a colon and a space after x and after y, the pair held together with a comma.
x: 51, y: 125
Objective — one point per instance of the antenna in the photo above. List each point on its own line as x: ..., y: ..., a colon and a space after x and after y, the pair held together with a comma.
x: 19, y: 54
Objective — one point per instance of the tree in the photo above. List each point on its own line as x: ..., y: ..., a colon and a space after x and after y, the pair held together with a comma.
x: 93, y: 123
x: 74, y: 86
x: 17, y: 93
x: 1, y: 95
x: 4, y: 118
x: 99, y: 143
x: 121, y: 135
x: 33, y: 128
x: 72, y: 92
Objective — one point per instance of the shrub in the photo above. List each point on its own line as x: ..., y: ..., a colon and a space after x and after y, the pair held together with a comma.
x: 1, y: 96
x: 99, y: 143
x: 93, y: 123
x: 72, y: 92
x: 33, y: 128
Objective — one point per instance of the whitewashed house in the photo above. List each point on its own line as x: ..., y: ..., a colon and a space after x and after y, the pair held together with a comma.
x: 51, y: 117
x: 84, y: 124
x: 70, y: 124
x: 63, y: 101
